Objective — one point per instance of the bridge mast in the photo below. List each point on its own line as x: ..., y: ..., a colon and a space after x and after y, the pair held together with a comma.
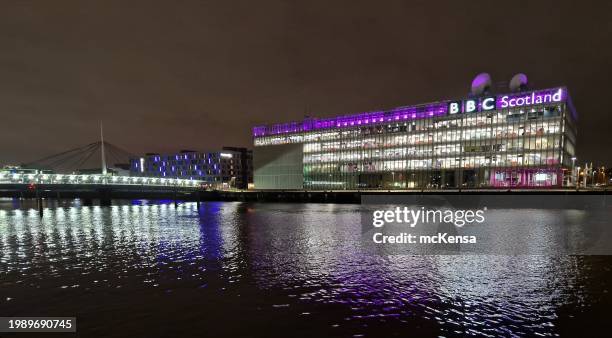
x: 102, y: 149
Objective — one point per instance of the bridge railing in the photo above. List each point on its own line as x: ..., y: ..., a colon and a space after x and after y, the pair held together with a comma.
x: 42, y: 178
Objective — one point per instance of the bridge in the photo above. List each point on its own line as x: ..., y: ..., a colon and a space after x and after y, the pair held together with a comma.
x: 62, y: 175
x: 42, y: 178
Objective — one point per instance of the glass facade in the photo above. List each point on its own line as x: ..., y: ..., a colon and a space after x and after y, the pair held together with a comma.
x: 218, y: 169
x: 434, y: 147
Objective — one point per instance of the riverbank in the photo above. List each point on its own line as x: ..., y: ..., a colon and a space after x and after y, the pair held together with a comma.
x: 107, y: 193
x: 355, y: 196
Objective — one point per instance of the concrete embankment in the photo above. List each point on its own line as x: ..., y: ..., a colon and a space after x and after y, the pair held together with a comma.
x: 107, y: 193
x: 291, y: 196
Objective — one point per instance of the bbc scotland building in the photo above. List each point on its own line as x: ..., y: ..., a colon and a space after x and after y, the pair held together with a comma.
x: 523, y: 139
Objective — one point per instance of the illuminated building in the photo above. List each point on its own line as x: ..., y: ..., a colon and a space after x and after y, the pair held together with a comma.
x: 228, y: 168
x: 520, y: 139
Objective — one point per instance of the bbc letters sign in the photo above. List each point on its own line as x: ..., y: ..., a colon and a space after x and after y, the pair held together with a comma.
x: 472, y: 105
x: 487, y: 103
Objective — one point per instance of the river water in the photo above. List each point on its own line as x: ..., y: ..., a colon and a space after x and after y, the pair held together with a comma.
x: 245, y: 269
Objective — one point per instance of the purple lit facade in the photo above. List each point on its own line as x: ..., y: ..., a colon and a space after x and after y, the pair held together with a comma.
x: 398, y: 114
x: 348, y: 121
x: 524, y: 139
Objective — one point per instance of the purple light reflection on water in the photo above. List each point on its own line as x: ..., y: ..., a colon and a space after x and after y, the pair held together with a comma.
x: 275, y: 262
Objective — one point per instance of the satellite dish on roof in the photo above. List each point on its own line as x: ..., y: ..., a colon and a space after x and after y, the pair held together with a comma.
x: 518, y: 82
x: 481, y: 84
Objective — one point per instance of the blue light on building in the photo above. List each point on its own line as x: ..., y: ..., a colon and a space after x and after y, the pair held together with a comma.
x: 228, y: 168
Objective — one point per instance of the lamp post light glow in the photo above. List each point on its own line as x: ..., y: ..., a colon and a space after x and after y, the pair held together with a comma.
x: 574, y: 170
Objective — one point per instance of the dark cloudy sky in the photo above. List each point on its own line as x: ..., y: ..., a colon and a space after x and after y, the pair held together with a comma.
x: 168, y: 75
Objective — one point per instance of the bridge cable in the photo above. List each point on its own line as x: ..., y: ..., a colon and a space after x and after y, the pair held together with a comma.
x: 93, y: 151
x: 58, y: 155
x: 67, y: 162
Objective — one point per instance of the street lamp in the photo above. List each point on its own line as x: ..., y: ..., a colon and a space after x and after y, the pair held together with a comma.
x: 574, y: 170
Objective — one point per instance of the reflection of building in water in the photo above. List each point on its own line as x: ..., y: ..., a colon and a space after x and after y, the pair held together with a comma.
x: 520, y: 139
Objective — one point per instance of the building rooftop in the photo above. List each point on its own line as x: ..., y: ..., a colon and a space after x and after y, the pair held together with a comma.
x: 420, y: 111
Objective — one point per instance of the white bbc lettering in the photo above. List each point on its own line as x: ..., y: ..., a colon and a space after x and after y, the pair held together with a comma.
x: 470, y: 106
x: 453, y: 107
x: 488, y: 103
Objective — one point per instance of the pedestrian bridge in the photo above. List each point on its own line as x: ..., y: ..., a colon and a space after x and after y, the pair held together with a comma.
x: 99, y: 179
x: 61, y: 176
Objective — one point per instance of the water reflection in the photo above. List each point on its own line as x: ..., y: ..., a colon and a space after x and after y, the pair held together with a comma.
x: 319, y: 258
x: 310, y: 254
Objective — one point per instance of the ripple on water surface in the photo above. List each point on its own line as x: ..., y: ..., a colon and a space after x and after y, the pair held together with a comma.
x: 306, y: 257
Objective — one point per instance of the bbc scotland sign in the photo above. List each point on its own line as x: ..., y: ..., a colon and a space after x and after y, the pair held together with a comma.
x: 487, y: 103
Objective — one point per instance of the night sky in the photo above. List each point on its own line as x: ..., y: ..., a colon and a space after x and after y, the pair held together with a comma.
x: 170, y: 75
